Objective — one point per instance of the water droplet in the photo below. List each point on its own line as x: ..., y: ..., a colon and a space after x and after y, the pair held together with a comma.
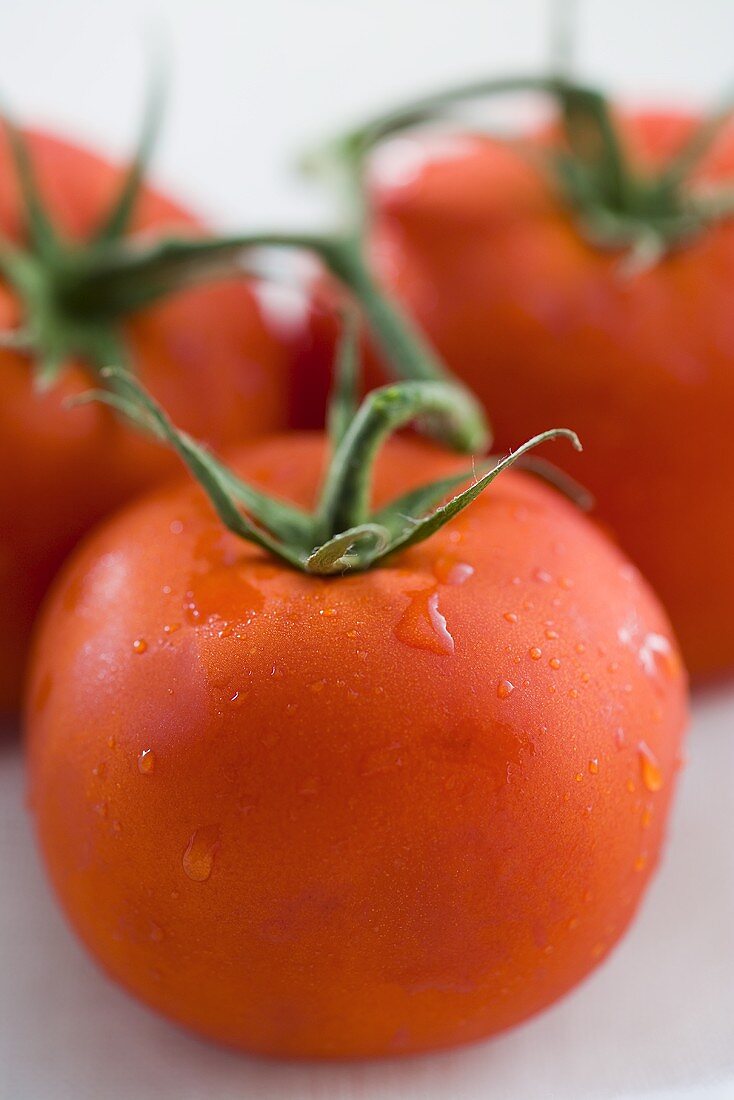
x: 99, y: 771
x: 646, y: 818
x: 198, y: 859
x: 504, y: 689
x: 327, y: 612
x: 146, y: 762
x: 566, y: 582
x: 423, y: 626
x: 652, y: 776
x: 585, y: 677
x: 176, y: 527
x: 554, y: 663
x: 579, y: 777
x: 580, y: 647
x: 171, y: 628
x: 317, y: 686
x: 111, y: 742
x: 542, y: 575
x: 140, y: 645
x: 448, y: 570
x: 510, y: 617
x: 594, y: 766
x: 551, y: 635
x: 573, y: 694
x: 535, y: 653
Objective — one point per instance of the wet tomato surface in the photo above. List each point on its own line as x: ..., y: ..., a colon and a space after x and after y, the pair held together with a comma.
x: 361, y: 815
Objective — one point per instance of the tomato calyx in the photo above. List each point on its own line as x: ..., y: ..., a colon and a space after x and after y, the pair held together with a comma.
x: 616, y: 204
x: 343, y: 534
x: 54, y: 278
x: 75, y: 295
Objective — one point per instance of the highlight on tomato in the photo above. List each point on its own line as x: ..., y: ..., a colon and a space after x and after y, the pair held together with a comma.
x: 84, y: 282
x: 584, y: 268
x: 353, y: 763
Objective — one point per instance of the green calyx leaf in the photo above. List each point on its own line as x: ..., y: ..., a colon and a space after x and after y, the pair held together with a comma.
x: 75, y: 294
x: 617, y: 205
x: 344, y: 533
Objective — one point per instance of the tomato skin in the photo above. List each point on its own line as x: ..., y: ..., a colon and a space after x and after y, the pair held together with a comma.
x: 210, y: 354
x: 280, y: 810
x: 546, y: 329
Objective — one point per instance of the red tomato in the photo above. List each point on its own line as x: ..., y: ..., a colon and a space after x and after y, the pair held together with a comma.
x: 209, y: 354
x: 379, y: 813
x: 544, y: 326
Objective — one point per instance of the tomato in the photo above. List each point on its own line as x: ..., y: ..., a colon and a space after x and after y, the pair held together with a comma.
x: 385, y: 812
x: 210, y: 353
x: 541, y: 323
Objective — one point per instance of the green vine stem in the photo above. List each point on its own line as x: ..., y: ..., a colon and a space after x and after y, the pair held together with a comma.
x: 75, y: 296
x: 346, y: 492
x: 617, y: 205
x: 342, y: 534
x: 112, y: 284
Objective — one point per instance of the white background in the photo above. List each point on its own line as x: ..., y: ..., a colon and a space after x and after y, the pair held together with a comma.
x: 253, y: 84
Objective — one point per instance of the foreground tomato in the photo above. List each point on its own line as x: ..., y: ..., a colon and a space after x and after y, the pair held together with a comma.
x: 539, y: 320
x: 210, y: 354
x: 385, y: 812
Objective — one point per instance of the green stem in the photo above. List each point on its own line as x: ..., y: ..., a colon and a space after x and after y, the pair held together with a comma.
x: 345, y: 501
x: 588, y: 122
x: 119, y: 282
x: 617, y: 207
x: 428, y: 107
x: 406, y: 351
x: 113, y: 281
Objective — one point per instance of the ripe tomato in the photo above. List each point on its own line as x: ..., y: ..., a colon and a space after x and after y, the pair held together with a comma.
x: 209, y: 353
x: 379, y: 813
x: 542, y: 324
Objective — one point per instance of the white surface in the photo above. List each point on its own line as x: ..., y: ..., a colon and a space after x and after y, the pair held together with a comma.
x: 254, y: 83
